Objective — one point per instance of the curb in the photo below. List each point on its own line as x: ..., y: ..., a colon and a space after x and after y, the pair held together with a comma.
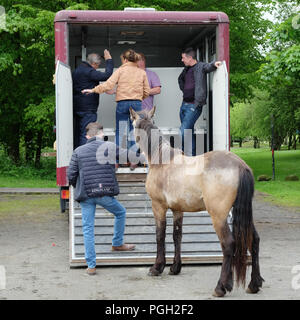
x: 29, y: 191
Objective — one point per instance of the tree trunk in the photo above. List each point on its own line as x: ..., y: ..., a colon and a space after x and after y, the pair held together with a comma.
x: 290, y: 141
x: 240, y: 142
x: 29, y: 147
x: 37, y: 161
x: 256, y: 143
x: 277, y: 141
x: 13, y: 143
x: 295, y: 142
x: 13, y: 152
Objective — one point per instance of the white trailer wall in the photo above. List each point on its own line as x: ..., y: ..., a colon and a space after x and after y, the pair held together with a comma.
x: 167, y: 103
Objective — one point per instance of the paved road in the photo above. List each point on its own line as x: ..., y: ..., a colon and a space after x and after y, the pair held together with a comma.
x: 35, y: 246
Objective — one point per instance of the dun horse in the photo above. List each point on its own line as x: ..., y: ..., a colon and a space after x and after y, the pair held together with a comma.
x: 216, y: 181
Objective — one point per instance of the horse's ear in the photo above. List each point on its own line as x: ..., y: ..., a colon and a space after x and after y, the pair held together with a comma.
x: 133, y: 114
x: 152, y: 111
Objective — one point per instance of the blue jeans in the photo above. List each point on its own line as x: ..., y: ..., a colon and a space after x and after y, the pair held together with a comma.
x: 82, y: 119
x: 88, y: 208
x: 124, y: 126
x: 189, y: 114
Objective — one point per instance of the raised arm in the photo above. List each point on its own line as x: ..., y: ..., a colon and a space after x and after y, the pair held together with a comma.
x: 209, y: 67
x: 102, y: 76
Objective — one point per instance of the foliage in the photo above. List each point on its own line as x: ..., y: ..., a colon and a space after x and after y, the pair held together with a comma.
x: 280, y: 76
x: 8, y: 169
x: 252, y: 119
x: 27, y: 61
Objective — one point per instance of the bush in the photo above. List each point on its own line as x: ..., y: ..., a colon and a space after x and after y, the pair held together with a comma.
x: 291, y: 177
x: 46, y: 170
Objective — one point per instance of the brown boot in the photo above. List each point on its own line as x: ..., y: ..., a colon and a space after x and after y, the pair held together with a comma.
x: 123, y: 247
x: 91, y: 271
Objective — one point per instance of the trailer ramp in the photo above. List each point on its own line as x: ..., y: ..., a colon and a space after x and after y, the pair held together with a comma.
x: 200, y: 243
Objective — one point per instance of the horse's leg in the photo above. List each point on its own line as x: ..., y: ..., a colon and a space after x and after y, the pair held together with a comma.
x: 256, y: 279
x: 225, y: 282
x: 160, y: 220
x: 177, y: 236
x: 224, y: 234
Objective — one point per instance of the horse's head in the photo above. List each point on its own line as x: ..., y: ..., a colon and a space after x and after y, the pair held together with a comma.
x: 138, y: 117
x: 142, y: 122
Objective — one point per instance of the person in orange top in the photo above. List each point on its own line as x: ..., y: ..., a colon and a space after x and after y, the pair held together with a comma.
x: 132, y: 88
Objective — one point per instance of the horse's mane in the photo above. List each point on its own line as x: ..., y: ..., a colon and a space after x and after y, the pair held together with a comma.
x: 161, y: 144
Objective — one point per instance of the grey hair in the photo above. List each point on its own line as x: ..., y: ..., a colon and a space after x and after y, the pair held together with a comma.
x: 93, y: 129
x: 93, y: 58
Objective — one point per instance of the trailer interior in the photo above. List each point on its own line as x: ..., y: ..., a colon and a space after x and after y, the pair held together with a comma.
x: 162, y: 45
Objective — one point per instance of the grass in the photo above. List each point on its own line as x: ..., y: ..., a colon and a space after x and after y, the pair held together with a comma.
x: 287, y: 162
x: 26, y: 175
x: 13, y: 182
x: 21, y: 207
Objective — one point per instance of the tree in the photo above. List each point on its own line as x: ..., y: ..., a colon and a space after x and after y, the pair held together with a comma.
x: 26, y: 68
x: 281, y: 77
x: 27, y: 59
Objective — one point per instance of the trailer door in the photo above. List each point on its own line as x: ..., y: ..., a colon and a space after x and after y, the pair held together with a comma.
x: 220, y: 114
x: 64, y: 119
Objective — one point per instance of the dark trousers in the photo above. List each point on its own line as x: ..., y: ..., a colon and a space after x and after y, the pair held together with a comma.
x: 81, y: 120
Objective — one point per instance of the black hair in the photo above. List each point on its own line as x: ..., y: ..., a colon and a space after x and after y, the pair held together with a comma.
x: 190, y: 52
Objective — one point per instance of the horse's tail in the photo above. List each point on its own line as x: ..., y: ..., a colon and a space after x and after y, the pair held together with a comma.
x: 242, y: 224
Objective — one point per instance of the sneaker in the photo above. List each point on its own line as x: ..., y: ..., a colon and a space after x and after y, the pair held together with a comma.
x: 91, y: 271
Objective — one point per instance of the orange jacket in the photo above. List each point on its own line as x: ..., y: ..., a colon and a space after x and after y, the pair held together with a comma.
x: 131, y: 80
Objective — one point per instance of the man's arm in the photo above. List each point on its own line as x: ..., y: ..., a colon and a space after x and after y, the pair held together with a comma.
x: 154, y: 91
x: 155, y: 84
x: 146, y: 87
x: 73, y: 170
x: 209, y: 67
x: 102, y: 76
x: 108, y: 84
x: 181, y: 79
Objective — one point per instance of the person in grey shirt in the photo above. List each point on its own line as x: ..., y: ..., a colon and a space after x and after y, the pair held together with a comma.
x: 193, y: 84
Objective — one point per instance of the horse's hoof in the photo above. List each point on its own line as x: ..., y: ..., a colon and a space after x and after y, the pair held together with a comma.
x: 172, y: 273
x: 252, y: 290
x: 229, y: 286
x: 153, y: 272
x: 218, y: 293
x: 175, y: 270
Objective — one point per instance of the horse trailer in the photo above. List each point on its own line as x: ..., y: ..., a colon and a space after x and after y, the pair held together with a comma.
x: 160, y: 36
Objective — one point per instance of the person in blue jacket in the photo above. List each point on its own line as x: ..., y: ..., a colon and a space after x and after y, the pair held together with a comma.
x: 85, y: 106
x: 92, y: 173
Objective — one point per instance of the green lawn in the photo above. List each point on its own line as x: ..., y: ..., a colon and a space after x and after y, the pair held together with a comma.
x: 281, y: 192
x: 13, y: 182
x: 27, y: 175
x: 287, y: 162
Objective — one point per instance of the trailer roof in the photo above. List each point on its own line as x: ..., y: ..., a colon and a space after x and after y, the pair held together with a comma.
x: 136, y: 17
